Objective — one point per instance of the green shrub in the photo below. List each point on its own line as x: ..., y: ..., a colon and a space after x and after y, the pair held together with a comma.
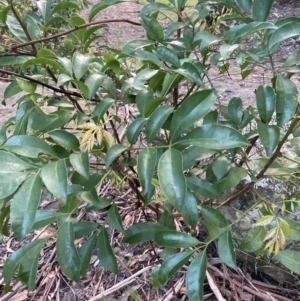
x: 194, y: 151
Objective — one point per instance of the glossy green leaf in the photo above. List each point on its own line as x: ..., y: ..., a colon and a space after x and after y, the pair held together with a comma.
x: 292, y: 59
x: 26, y: 85
x: 115, y: 151
x: 287, y: 31
x: 265, y: 101
x: 114, y: 218
x: 83, y: 89
x: 25, y: 260
x: 131, y: 47
x: 189, y: 210
x: 175, y: 239
x: 171, y: 178
x: 214, y: 136
x: 24, y: 206
x: 28, y: 146
x: 74, y: 21
x: 275, y: 168
x: 235, y: 109
x: 269, y: 136
x: 142, y: 232
x: 65, y: 139
x: 153, y: 7
x: 80, y: 162
x: 192, y: 155
x: 170, y: 81
x: 94, y: 82
x: 13, y: 60
x: 172, y: 27
x: 243, y: 31
x: 261, y: 9
x: 214, y: 216
x: 295, y: 144
x: 67, y: 64
x: 11, y: 163
x: 145, y: 168
x: 206, y: 39
x: 45, y: 217
x: 84, y: 228
x: 63, y: 79
x: 85, y: 254
x: 152, y: 27
x: 294, y: 229
x: 253, y: 240
x: 44, y: 6
x: 226, y: 249
x: 9, y: 182
x: 166, y: 220
x: 12, y: 89
x: 55, y: 178
x: 286, y: 99
x: 153, y: 104
x: 100, y: 6
x: 15, y: 28
x: 3, y: 136
x: 156, y: 121
x: 203, y: 188
x: 80, y: 64
x: 94, y: 202
x: 67, y: 255
x: 191, y: 110
x: 43, y: 61
x: 220, y: 167
x: 102, y: 107
x: 195, y: 277
x: 105, y: 252
x: 290, y: 259
x: 143, y: 76
x: 154, y: 277
x: 134, y: 129
x: 143, y: 97
x: 168, y: 56
x: 232, y: 179
x: 173, y: 264
x: 245, y: 5
x: 191, y: 72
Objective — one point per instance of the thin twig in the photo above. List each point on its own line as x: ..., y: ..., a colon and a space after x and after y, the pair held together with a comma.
x: 121, y: 284
x: 214, y: 288
x: 37, y: 41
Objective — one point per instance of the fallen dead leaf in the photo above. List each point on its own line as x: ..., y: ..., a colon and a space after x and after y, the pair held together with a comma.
x: 20, y: 296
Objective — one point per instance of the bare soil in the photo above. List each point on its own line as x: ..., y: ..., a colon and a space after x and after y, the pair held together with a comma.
x: 52, y: 285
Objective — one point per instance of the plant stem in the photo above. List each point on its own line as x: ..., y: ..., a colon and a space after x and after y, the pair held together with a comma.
x: 38, y: 41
